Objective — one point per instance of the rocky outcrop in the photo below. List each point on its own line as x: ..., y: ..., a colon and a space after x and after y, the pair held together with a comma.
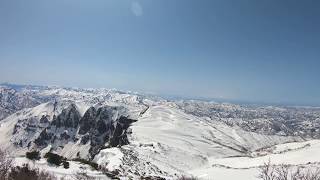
x: 119, y: 136
x: 102, y: 124
x: 69, y: 118
x: 44, y: 120
x: 86, y: 122
x: 44, y: 138
x: 105, y: 126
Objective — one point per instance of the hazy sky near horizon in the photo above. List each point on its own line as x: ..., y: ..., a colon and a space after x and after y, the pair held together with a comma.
x: 252, y: 50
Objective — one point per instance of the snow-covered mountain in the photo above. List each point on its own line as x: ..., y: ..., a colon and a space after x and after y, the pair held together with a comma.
x: 270, y: 120
x: 135, y: 135
x: 12, y: 101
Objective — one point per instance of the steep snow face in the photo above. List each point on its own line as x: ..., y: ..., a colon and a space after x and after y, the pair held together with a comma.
x: 166, y: 141
x: 171, y: 122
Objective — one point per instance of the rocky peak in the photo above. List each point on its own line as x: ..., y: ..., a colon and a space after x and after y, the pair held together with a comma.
x: 99, y: 127
x: 119, y: 136
x: 87, y: 121
x: 69, y: 118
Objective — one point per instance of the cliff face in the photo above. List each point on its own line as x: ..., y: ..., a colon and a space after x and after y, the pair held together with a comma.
x: 98, y: 128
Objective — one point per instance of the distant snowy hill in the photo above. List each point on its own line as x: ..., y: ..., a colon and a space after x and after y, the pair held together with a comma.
x: 12, y: 101
x: 138, y: 135
x: 270, y: 120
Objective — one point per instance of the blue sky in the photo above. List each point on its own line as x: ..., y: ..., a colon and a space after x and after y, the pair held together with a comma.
x: 260, y: 51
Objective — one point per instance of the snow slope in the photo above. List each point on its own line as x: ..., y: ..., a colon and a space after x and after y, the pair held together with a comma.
x: 173, y: 143
x: 245, y: 168
x: 168, y: 139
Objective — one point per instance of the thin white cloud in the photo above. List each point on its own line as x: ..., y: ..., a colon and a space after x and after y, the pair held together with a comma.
x: 136, y: 9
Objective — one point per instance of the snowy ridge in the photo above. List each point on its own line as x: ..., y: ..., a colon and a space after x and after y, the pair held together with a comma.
x: 145, y: 136
x: 168, y: 138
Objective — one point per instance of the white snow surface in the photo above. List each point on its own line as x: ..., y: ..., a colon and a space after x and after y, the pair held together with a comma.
x: 178, y: 143
x: 165, y: 141
x: 246, y: 168
x: 111, y: 158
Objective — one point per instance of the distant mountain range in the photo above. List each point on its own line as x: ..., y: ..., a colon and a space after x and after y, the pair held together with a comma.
x: 137, y: 135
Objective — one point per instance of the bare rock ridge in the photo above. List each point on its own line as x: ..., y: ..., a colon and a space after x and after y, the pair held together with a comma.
x: 86, y: 122
x: 98, y: 127
x: 69, y: 118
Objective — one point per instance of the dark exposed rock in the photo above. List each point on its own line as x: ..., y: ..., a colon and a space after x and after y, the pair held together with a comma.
x: 65, y: 136
x: 106, y: 125
x: 95, y: 150
x: 31, y: 128
x: 44, y: 120
x: 101, y: 126
x: 87, y: 121
x: 102, y: 129
x: 43, y: 138
x: 85, y: 139
x: 153, y: 178
x: 16, y: 128
x: 69, y: 118
x: 119, y: 136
